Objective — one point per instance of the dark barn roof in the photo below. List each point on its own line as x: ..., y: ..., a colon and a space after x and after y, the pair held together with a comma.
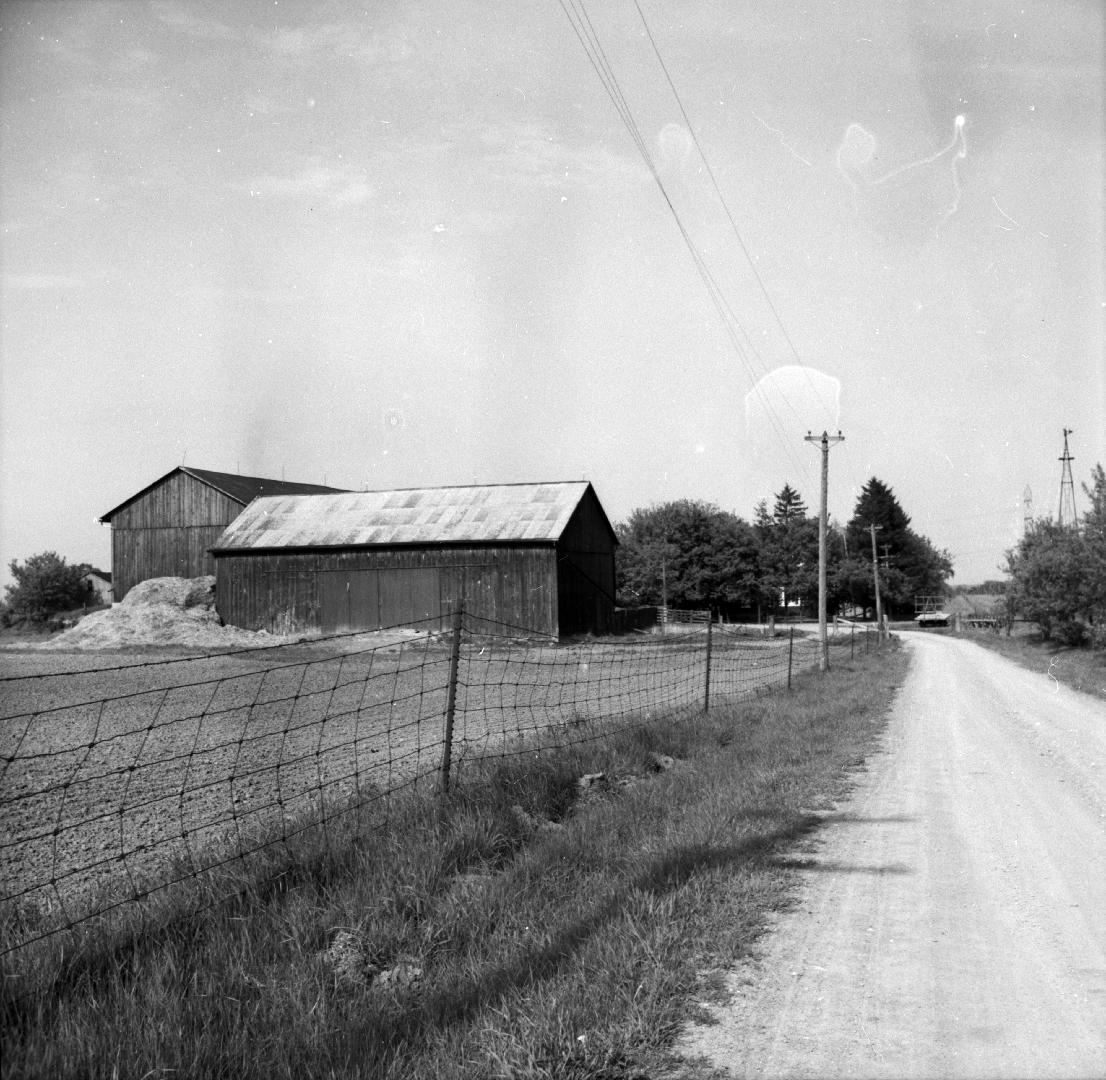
x: 242, y: 489
x: 479, y: 514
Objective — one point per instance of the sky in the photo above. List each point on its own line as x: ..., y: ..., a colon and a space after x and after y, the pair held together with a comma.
x: 408, y: 244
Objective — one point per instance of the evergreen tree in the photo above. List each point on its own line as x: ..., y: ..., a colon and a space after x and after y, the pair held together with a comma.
x: 877, y: 506
x: 789, y: 506
x: 789, y: 550
x: 913, y: 566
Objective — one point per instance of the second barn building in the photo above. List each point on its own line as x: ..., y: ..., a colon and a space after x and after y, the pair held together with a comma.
x: 535, y: 559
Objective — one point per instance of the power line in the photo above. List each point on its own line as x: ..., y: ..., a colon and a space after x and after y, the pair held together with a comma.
x: 714, y: 184
x: 585, y: 31
x: 725, y: 206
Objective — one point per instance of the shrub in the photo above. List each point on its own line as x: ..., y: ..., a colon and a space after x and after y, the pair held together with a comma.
x: 1071, y: 632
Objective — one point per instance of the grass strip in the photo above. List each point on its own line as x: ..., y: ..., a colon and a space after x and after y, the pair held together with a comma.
x: 526, y: 926
x: 1080, y: 668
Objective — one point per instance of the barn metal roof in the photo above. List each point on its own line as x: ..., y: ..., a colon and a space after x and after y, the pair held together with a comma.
x: 444, y: 515
x: 241, y: 489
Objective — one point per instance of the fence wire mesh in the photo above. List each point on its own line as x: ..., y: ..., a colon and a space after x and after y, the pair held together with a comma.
x: 190, y: 764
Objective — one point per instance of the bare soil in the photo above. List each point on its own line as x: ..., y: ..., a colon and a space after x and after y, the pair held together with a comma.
x: 951, y: 915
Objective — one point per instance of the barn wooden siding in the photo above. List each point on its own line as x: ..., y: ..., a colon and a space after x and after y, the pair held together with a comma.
x: 149, y: 537
x: 513, y: 587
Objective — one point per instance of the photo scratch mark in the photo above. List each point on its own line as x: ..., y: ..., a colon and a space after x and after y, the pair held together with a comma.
x: 857, y: 154
x: 780, y: 135
x: 1004, y: 214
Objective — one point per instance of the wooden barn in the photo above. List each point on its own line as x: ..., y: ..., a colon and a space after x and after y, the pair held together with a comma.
x: 166, y: 529
x: 518, y: 558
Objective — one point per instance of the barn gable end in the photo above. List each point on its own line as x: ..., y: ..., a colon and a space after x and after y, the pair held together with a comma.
x: 585, y: 569
x: 167, y: 528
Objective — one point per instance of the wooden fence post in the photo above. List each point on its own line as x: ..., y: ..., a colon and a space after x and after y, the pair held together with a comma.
x: 790, y: 653
x: 451, y: 697
x: 706, y: 689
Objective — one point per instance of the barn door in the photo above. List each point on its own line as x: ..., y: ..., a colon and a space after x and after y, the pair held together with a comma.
x: 356, y: 600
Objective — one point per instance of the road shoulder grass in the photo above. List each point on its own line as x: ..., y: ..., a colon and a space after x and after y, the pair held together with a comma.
x: 1081, y: 669
x: 526, y: 926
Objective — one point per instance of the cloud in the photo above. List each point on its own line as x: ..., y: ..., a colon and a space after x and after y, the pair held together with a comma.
x: 533, y: 154
x: 300, y: 45
x: 238, y: 294
x: 134, y: 58
x: 327, y: 41
x: 337, y: 186
x: 43, y: 281
x: 89, y: 38
x: 352, y: 193
x: 180, y: 18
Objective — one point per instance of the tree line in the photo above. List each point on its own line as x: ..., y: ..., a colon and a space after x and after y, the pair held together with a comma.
x: 1058, y: 573
x: 691, y: 554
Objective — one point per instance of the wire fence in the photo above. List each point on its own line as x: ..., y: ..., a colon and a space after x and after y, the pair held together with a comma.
x: 193, y: 763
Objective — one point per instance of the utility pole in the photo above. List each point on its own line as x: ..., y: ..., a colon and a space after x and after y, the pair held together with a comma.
x: 825, y: 441
x: 875, y: 570
x: 1067, y: 488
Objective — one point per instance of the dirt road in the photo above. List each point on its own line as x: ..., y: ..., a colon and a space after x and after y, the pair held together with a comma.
x: 952, y: 916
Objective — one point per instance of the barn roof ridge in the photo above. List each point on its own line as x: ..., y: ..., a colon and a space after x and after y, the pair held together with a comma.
x: 459, y: 487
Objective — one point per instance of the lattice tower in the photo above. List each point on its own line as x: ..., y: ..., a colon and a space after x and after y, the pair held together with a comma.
x: 1067, y: 488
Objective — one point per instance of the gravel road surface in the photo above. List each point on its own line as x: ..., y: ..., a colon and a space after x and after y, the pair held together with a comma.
x: 952, y: 913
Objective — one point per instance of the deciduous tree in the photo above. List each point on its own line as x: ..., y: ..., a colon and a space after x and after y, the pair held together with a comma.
x: 689, y: 552
x: 46, y: 584
x: 1047, y: 572
x: 1058, y: 573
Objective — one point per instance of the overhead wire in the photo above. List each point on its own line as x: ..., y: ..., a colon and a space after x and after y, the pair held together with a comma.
x: 578, y: 18
x: 597, y: 55
x: 729, y: 215
x: 714, y: 183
